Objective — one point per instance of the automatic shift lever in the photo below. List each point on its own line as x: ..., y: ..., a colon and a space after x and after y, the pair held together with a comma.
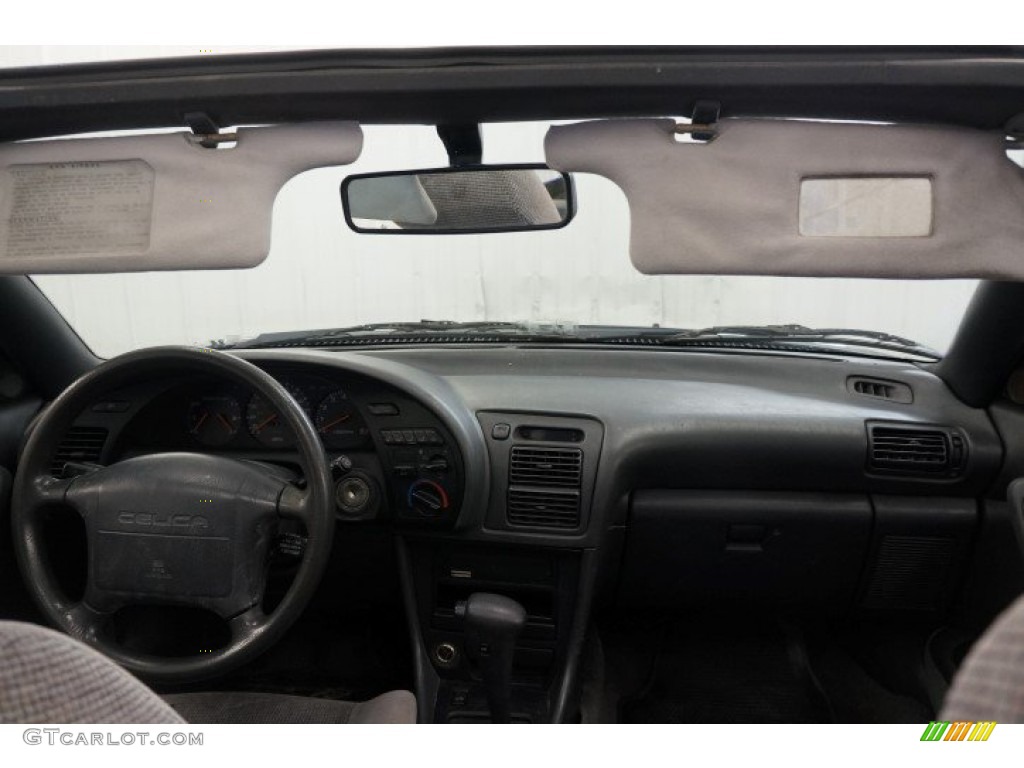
x: 492, y: 624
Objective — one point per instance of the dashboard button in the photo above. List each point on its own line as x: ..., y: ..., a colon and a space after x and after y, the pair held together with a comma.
x: 501, y: 431
x: 409, y: 436
x: 383, y: 409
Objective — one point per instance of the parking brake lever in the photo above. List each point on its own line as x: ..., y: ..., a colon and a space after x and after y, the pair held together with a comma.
x: 492, y: 625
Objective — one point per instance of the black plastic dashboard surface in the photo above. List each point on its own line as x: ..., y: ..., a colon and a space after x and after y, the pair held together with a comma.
x: 667, y: 419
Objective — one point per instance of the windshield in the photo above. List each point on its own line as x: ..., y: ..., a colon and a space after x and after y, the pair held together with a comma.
x: 320, y: 274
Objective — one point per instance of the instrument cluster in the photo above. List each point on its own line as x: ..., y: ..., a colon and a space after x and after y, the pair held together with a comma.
x: 224, y: 417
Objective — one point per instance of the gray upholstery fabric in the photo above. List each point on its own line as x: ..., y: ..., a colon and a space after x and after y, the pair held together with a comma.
x: 990, y: 683
x: 397, y: 707
x: 48, y: 677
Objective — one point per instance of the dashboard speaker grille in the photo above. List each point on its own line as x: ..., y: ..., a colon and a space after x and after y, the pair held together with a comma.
x: 910, y: 573
x: 83, y: 444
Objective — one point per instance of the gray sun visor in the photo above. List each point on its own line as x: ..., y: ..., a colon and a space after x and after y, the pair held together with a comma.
x: 154, y: 202
x: 778, y: 197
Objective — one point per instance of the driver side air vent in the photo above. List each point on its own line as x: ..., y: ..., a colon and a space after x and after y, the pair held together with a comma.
x: 920, y: 451
x: 544, y: 487
x: 84, y: 444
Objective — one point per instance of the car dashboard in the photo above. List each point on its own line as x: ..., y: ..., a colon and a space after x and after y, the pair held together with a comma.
x: 569, y: 477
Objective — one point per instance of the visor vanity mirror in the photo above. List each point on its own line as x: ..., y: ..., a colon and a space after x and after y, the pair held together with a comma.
x: 866, y: 207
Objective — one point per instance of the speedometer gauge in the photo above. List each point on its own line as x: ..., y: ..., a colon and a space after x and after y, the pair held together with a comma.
x: 265, y: 422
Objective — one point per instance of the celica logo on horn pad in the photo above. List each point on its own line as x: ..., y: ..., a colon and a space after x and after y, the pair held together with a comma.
x: 156, y: 521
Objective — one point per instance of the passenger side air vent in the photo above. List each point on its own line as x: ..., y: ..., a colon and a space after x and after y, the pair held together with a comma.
x: 83, y: 444
x: 921, y: 451
x: 880, y: 388
x: 544, y: 487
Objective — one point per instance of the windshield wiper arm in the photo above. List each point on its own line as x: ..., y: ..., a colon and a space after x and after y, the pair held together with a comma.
x: 790, y: 332
x: 739, y: 331
x: 801, y: 334
x: 430, y: 326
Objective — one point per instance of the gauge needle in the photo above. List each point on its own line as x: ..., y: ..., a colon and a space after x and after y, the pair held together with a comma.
x: 225, y: 422
x: 269, y: 420
x: 337, y: 421
x: 202, y: 419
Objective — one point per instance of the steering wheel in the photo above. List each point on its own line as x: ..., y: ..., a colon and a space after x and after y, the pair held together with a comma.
x: 181, y: 529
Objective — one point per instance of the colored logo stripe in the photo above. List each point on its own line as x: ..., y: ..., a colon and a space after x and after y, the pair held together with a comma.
x: 958, y: 731
x: 981, y: 731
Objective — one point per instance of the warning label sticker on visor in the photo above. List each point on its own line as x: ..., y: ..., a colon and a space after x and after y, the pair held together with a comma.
x: 57, y: 209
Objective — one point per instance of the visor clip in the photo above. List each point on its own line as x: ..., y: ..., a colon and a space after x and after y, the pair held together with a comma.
x: 703, y: 125
x: 205, y: 132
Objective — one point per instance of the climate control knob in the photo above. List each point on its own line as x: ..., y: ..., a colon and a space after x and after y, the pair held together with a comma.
x: 428, y: 498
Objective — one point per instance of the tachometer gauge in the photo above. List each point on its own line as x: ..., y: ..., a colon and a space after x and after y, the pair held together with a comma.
x: 214, y: 419
x: 267, y: 425
x: 338, y: 423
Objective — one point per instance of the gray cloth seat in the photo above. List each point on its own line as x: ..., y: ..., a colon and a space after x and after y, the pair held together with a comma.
x: 48, y: 677
x: 990, y: 683
x: 214, y: 707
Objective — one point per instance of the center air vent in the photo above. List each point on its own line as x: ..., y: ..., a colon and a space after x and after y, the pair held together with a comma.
x: 538, y: 508
x: 82, y: 444
x: 546, y: 466
x: 918, y: 451
x: 544, y: 487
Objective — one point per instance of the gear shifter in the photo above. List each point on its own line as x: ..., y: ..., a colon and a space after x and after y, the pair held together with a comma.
x: 492, y: 624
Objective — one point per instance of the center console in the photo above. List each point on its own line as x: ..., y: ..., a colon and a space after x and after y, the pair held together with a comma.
x: 446, y: 576
x: 510, y: 578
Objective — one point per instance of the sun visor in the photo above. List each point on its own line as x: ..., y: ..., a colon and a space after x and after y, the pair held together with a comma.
x: 154, y: 202
x: 777, y: 197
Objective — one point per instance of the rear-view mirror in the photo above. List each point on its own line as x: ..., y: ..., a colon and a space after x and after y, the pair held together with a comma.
x: 485, y: 198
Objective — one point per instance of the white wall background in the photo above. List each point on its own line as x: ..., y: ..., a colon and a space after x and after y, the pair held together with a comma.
x: 319, y: 274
